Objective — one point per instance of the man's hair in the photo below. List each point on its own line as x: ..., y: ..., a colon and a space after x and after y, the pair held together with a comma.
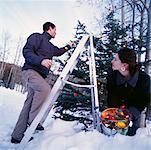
x: 128, y: 56
x: 47, y: 25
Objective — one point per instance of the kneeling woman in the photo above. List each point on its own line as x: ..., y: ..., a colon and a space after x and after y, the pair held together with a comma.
x: 128, y: 86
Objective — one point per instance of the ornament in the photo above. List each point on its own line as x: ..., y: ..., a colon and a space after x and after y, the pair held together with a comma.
x: 75, y: 94
x: 121, y: 124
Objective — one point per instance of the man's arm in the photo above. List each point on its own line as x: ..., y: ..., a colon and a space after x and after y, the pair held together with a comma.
x: 60, y: 51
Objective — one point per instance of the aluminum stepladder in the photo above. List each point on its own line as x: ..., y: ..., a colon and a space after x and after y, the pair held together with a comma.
x: 59, y: 84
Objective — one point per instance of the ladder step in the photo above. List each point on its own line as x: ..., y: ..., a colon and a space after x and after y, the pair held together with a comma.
x: 78, y: 85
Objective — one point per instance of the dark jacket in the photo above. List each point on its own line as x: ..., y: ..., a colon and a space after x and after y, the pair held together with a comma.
x: 38, y: 48
x: 135, y: 92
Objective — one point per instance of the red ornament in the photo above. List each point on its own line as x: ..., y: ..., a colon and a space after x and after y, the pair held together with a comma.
x: 123, y: 106
x: 75, y: 94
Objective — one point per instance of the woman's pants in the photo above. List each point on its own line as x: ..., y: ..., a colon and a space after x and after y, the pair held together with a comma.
x: 136, y: 116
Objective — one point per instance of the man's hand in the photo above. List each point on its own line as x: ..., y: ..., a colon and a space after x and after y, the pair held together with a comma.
x: 72, y: 44
x: 46, y: 63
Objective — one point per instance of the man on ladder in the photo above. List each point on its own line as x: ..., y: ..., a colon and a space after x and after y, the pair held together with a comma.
x: 38, y: 52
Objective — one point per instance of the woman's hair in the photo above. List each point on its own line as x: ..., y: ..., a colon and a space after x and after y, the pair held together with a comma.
x: 47, y: 25
x: 128, y: 56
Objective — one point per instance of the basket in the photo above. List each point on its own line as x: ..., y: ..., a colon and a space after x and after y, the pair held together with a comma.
x: 115, y: 120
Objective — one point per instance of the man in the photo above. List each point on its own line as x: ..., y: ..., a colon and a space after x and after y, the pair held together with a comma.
x: 38, y: 53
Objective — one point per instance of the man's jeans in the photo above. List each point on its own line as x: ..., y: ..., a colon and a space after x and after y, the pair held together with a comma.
x: 38, y: 90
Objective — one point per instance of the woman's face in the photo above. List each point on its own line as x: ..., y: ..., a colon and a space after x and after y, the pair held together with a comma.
x: 116, y: 63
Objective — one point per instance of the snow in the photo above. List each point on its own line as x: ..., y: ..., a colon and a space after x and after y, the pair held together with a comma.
x: 62, y: 135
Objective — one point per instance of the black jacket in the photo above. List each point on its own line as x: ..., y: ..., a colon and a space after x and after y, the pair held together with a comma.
x: 38, y: 48
x: 135, y: 92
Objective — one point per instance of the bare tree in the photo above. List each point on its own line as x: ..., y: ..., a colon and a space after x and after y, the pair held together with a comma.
x: 5, y: 43
x: 141, y: 8
x: 12, y: 74
x: 122, y: 18
x: 138, y: 15
x: 148, y: 40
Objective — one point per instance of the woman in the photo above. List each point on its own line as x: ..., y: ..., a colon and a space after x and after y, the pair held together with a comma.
x: 128, y: 86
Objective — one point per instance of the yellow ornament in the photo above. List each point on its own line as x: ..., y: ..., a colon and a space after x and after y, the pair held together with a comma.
x: 122, y: 113
x: 104, y: 114
x: 121, y: 124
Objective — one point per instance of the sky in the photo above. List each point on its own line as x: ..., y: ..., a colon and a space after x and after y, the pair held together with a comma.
x: 20, y: 18
x: 23, y: 17
x: 63, y: 135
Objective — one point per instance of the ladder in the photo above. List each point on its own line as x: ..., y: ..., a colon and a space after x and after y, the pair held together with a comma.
x: 59, y: 84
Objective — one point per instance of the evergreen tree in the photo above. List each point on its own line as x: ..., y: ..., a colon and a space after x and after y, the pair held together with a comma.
x: 114, y: 33
x: 75, y: 103
x: 109, y: 43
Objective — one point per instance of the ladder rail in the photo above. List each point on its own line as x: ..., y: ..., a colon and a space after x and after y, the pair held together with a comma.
x: 68, y: 68
x: 92, y: 90
x: 94, y: 78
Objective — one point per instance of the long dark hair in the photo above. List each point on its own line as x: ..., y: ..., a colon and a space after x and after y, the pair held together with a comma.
x: 128, y: 56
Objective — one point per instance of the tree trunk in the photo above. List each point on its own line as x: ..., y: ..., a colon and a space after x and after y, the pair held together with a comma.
x: 148, y: 50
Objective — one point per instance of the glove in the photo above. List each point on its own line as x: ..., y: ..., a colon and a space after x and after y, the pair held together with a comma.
x: 67, y: 47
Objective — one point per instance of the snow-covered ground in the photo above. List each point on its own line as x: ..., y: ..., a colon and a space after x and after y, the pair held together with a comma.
x: 62, y: 135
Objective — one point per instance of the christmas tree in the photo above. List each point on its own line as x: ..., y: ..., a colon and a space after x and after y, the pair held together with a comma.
x: 75, y: 103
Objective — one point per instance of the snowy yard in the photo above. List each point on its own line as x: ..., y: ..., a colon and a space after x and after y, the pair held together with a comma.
x: 62, y: 135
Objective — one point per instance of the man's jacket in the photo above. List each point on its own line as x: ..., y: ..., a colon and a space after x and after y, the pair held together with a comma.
x: 37, y: 48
